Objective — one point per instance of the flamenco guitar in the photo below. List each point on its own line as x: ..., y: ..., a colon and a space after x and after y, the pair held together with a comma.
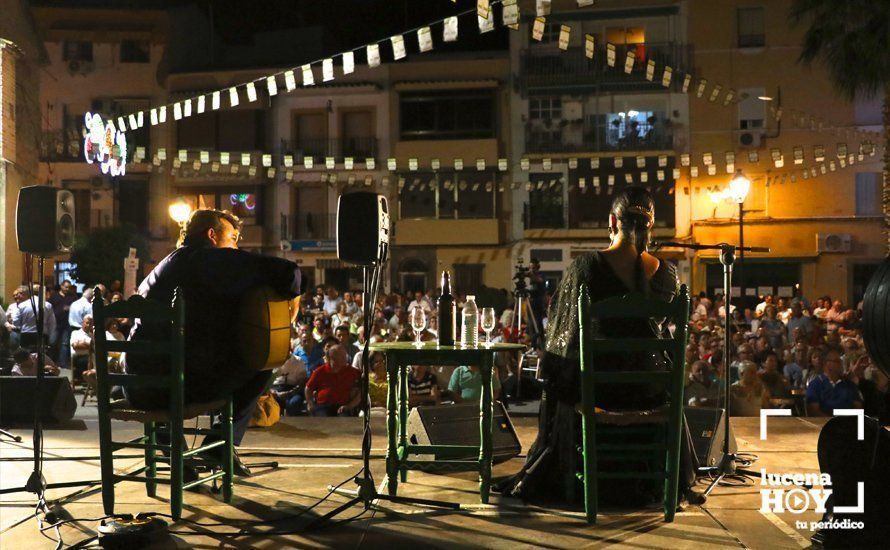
x: 264, y: 331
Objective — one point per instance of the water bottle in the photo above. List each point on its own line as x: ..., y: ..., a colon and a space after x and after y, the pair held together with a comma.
x: 470, y: 325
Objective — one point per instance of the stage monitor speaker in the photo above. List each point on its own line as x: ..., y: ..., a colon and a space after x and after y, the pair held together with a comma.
x: 706, y: 425
x: 44, y: 219
x: 18, y: 394
x: 459, y: 425
x: 362, y: 226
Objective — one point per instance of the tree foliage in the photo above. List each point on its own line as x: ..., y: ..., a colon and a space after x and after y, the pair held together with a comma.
x: 851, y: 38
x: 98, y: 256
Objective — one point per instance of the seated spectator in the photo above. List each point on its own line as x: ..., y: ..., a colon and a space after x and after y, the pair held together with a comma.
x: 341, y: 317
x: 420, y: 301
x: 422, y: 387
x: 319, y: 327
x: 748, y: 394
x: 830, y: 390
x: 815, y: 366
x: 377, y: 386
x: 466, y: 384
x: 309, y: 352
x: 26, y: 364
x: 794, y: 369
x: 344, y: 337
x: 773, y: 328
x: 352, y: 308
x: 873, y: 396
x: 332, y: 389
x: 798, y: 321
x: 701, y: 391
x: 852, y: 353
x: 81, y: 344
x: 288, y: 386
x: 772, y: 379
x: 332, y: 299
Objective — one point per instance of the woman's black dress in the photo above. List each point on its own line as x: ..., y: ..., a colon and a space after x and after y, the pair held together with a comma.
x: 554, y: 458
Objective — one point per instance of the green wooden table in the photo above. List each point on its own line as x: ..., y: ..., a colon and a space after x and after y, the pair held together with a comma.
x: 399, y: 355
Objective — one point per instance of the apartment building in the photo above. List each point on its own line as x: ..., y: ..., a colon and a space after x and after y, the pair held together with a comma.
x: 101, y: 60
x: 588, y: 124
x: 824, y: 231
x: 22, y: 57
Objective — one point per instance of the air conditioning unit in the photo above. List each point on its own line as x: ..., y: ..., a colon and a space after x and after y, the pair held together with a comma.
x: 834, y: 242
x: 74, y: 66
x: 751, y: 139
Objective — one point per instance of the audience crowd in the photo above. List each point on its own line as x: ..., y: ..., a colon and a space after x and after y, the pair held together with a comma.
x: 786, y: 352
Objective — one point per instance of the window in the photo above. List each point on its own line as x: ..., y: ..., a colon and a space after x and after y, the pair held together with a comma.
x: 75, y: 50
x: 750, y: 27
x: 542, y: 108
x: 551, y: 33
x: 448, y: 195
x: 244, y: 202
x: 468, y: 278
x: 358, y: 134
x: 135, y: 51
x: 459, y: 114
x: 546, y: 254
x: 132, y: 203
x: 868, y: 189
x: 234, y: 130
x: 311, y: 134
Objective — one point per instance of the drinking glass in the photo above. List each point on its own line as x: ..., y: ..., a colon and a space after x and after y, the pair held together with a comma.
x: 418, y: 323
x: 489, y: 321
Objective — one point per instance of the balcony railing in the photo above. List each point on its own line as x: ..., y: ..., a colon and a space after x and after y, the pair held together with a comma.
x: 575, y: 137
x: 356, y: 147
x: 311, y: 226
x: 61, y: 146
x: 543, y: 68
x: 549, y: 216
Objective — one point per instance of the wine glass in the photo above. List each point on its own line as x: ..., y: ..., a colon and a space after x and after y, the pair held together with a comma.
x: 418, y: 323
x: 489, y: 321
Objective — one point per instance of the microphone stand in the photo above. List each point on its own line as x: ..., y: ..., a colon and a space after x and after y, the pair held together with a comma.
x: 728, y: 461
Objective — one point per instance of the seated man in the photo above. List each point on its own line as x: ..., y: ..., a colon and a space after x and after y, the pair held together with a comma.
x: 332, y: 390
x: 830, y: 390
x: 214, y: 275
x: 343, y: 336
x: 81, y: 343
x: 287, y: 389
x: 466, y: 384
x: 26, y: 364
x: 310, y: 352
x: 422, y: 387
x: 701, y: 390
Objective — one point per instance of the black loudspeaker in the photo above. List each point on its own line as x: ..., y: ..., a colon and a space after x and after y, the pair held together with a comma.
x: 362, y: 226
x: 459, y: 425
x: 44, y: 220
x: 19, y: 393
x: 706, y: 425
x: 876, y: 317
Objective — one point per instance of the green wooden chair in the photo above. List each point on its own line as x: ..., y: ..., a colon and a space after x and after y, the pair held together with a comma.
x: 172, y: 417
x: 661, y: 428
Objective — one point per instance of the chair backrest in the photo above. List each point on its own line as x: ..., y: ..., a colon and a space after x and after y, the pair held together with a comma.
x: 171, y: 350
x: 635, y: 306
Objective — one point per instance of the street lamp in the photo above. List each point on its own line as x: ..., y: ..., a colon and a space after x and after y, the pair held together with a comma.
x: 739, y: 186
x: 180, y: 211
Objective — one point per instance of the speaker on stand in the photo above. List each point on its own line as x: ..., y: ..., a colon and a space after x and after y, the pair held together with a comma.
x: 44, y: 223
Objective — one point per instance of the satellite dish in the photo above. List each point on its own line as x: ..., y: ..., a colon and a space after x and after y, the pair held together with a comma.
x: 876, y: 317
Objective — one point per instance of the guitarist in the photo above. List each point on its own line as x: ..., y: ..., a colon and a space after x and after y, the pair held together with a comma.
x: 214, y: 275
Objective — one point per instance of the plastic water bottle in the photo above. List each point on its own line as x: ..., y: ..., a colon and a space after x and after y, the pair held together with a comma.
x: 470, y: 326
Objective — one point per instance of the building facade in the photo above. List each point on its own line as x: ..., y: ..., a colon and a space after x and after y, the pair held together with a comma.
x: 589, y: 120
x: 824, y: 227
x: 22, y: 57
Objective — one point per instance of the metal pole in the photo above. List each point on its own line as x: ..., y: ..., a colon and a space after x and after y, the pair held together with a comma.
x: 741, y: 258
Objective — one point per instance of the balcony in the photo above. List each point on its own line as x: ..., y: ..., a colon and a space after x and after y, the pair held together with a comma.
x: 61, y: 146
x: 570, y: 137
x: 547, y: 68
x: 309, y: 226
x: 357, y: 147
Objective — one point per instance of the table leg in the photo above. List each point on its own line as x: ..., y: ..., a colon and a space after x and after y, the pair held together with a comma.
x: 403, y: 420
x: 485, y: 415
x: 392, y: 453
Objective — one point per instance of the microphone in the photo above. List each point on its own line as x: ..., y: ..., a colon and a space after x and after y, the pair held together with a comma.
x: 720, y: 246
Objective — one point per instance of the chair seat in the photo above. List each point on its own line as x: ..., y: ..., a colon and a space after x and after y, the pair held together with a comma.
x: 630, y: 418
x: 123, y: 410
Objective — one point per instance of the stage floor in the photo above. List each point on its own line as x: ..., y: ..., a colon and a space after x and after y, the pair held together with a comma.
x: 317, y: 452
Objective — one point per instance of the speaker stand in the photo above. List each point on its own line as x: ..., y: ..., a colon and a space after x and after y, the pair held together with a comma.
x: 4, y: 433
x: 36, y: 482
x: 367, y: 494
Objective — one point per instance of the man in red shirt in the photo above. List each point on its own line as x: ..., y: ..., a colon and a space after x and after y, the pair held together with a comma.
x: 332, y: 390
